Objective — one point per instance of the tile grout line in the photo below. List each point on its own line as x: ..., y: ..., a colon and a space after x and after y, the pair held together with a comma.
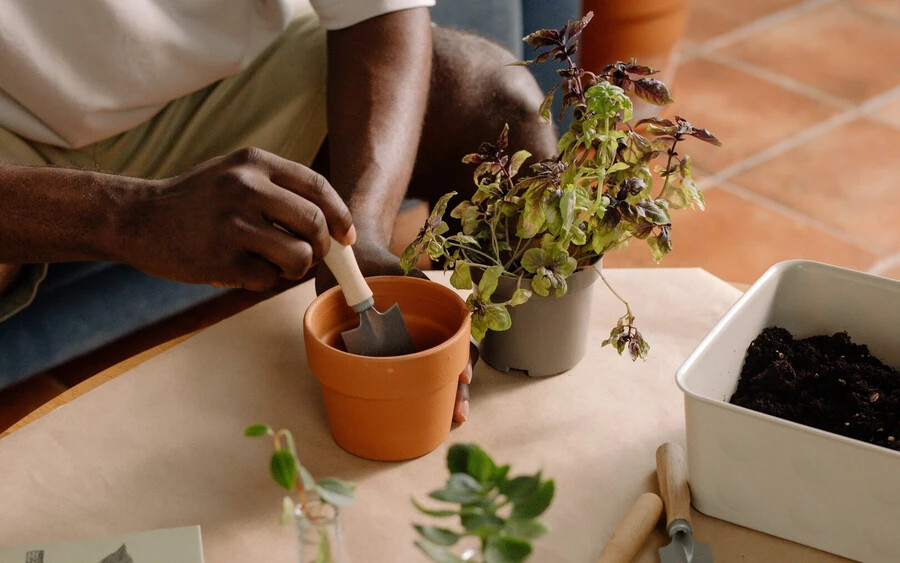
x: 796, y: 215
x: 783, y: 81
x: 882, y: 266
x: 753, y: 27
x: 778, y: 149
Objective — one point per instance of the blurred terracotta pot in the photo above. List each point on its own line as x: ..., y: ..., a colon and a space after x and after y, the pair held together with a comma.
x: 390, y: 408
x: 647, y: 30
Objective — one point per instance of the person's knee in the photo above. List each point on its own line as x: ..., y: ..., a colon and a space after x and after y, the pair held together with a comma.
x: 490, y: 91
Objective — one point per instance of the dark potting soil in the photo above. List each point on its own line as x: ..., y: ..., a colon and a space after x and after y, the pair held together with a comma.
x: 826, y: 382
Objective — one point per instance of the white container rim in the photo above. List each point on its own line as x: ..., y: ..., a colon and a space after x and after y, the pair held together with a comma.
x: 771, y: 276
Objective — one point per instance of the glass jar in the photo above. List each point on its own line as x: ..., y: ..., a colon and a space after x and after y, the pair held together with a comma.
x: 319, y: 536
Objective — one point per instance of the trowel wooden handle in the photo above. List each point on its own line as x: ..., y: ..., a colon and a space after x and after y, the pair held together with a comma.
x: 633, y: 530
x: 342, y: 263
x: 671, y: 470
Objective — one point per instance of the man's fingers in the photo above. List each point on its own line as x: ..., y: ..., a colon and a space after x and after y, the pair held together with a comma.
x: 291, y: 255
x: 309, y: 185
x: 296, y: 215
x: 466, y: 375
x: 461, y: 410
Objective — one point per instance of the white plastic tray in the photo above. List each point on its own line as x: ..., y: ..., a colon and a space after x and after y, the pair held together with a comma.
x: 779, y: 477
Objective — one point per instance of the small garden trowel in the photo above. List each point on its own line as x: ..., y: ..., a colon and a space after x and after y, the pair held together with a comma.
x: 671, y: 470
x: 378, y: 334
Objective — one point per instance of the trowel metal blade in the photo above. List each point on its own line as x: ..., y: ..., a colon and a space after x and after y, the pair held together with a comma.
x: 379, y: 334
x: 683, y: 549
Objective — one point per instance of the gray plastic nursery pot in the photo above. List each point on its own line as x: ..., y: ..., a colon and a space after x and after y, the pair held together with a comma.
x: 548, y: 334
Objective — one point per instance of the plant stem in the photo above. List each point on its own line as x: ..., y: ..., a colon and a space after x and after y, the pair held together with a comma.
x: 475, y: 250
x: 671, y: 153
x: 619, y: 297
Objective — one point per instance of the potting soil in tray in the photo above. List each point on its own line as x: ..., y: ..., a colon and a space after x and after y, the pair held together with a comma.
x: 826, y: 382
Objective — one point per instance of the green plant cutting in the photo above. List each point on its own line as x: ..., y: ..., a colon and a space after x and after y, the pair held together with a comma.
x: 565, y: 213
x: 499, y: 511
x: 292, y: 476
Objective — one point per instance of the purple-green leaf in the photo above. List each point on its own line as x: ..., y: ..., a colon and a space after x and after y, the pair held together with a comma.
x: 653, y: 91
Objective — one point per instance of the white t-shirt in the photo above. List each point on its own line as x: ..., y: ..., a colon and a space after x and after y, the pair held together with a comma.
x: 73, y: 72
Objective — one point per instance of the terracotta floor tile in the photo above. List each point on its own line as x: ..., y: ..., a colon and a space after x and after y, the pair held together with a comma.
x: 848, y: 178
x: 888, y: 9
x: 748, y: 114
x: 844, y: 51
x: 889, y: 112
x: 709, y: 18
x: 737, y: 240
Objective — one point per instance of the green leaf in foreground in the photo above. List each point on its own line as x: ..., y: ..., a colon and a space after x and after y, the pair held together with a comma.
x: 255, y: 430
x: 284, y: 469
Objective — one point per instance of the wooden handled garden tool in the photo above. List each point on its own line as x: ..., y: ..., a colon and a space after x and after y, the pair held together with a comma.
x: 671, y: 470
x: 632, y: 531
x: 378, y: 334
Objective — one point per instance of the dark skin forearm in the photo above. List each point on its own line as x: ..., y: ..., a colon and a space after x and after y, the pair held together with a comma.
x: 378, y: 77
x: 57, y: 215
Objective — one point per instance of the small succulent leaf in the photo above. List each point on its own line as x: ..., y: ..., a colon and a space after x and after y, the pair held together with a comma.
x: 520, y: 488
x: 283, y: 467
x: 502, y: 549
x: 524, y: 528
x: 519, y: 296
x: 439, y: 536
x: 461, y: 488
x: 435, y: 513
x: 536, y: 503
x: 255, y: 430
x: 479, y: 522
x: 335, y: 491
x: 461, y: 277
x: 437, y: 553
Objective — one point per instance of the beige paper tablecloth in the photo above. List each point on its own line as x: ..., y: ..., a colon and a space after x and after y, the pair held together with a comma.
x: 162, y: 445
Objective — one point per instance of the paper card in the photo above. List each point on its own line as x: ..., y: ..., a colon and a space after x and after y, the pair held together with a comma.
x: 172, y: 545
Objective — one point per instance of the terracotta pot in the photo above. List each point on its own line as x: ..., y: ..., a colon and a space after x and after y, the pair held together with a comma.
x: 548, y: 334
x: 390, y: 408
x: 647, y: 30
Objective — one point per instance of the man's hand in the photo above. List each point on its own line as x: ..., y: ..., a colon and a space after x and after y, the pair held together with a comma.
x: 242, y: 220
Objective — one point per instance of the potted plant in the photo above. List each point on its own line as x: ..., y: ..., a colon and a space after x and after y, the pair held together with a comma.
x: 314, y: 506
x: 545, y: 231
x: 395, y: 407
x: 498, y: 511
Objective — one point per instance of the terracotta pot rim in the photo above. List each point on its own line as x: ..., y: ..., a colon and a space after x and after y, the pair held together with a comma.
x: 438, y: 288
